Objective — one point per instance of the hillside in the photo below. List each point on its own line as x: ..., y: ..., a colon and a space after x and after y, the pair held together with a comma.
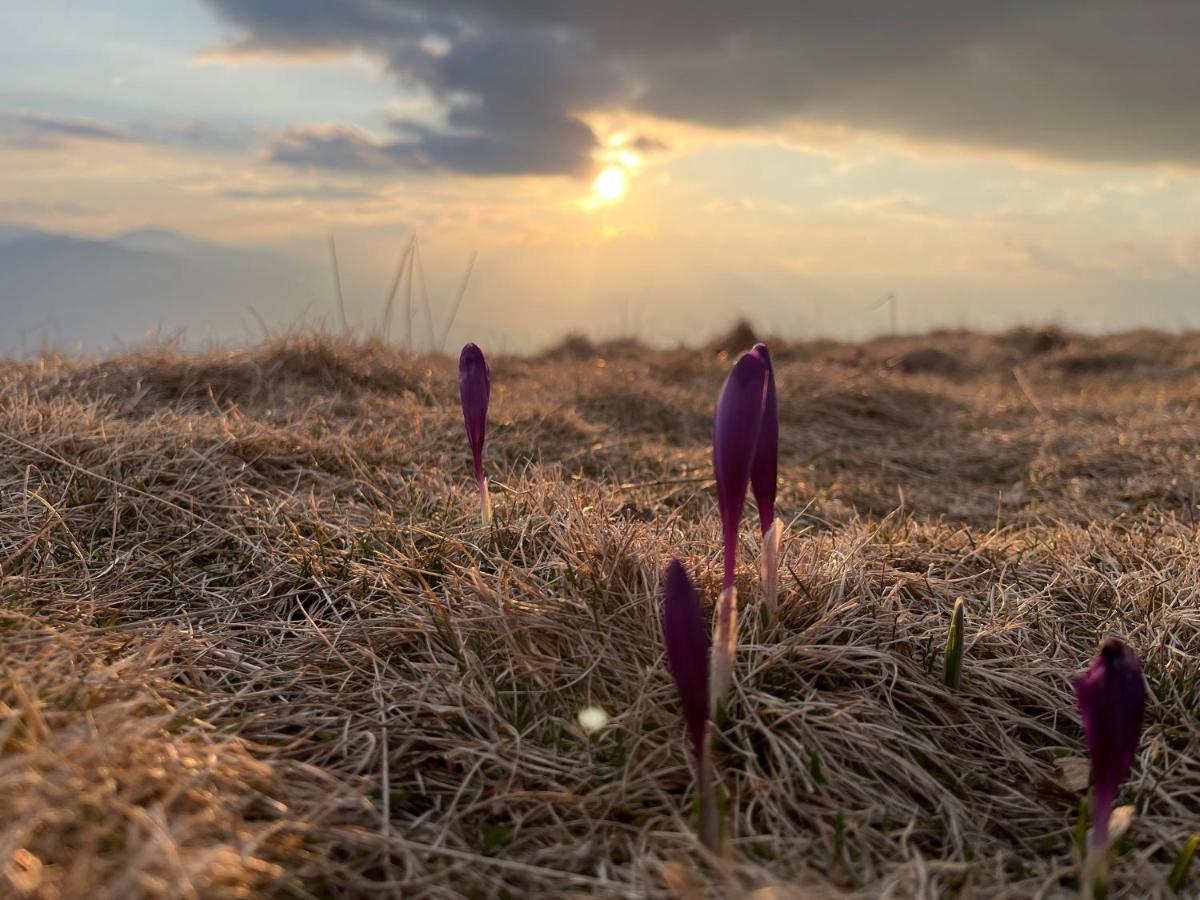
x: 254, y: 641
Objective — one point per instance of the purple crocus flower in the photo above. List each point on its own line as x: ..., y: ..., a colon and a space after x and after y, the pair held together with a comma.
x: 474, y: 388
x: 1111, y: 696
x: 735, y: 438
x: 687, y: 657
x: 687, y: 651
x: 763, y: 472
x: 763, y: 479
x: 736, y: 429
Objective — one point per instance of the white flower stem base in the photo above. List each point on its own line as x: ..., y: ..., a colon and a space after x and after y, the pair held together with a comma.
x: 769, y: 568
x: 723, y: 647
x: 485, y: 503
x: 1094, y: 883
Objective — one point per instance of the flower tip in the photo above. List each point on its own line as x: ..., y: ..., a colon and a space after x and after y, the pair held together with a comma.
x: 470, y: 353
x: 752, y: 364
x: 681, y: 607
x: 1114, y: 651
x: 678, y: 582
x: 473, y: 366
x: 1115, y: 665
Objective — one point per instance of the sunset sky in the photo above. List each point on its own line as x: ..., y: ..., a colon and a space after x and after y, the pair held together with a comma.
x: 639, y: 164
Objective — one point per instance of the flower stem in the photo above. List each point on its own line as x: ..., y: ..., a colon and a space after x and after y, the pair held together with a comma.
x: 769, y: 568
x: 710, y: 819
x: 485, y: 503
x: 724, y: 647
x: 1094, y: 883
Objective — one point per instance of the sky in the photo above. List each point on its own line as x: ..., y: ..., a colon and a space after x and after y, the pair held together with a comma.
x: 649, y: 167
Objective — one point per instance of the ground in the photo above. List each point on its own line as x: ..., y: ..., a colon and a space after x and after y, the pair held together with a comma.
x: 254, y: 641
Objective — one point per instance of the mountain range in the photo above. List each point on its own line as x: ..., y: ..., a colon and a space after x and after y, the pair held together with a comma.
x: 84, y: 294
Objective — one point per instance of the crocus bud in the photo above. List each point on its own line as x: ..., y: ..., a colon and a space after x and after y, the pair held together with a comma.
x: 687, y: 657
x: 763, y: 472
x: 735, y: 437
x: 1111, y: 696
x: 763, y: 480
x: 736, y: 429
x: 474, y: 388
x: 687, y: 650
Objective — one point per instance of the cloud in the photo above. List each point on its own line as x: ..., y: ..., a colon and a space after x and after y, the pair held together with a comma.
x: 23, y: 208
x: 338, y: 148
x: 564, y: 148
x: 1095, y: 80
x: 314, y: 25
x: 512, y: 95
x: 288, y: 194
x: 509, y: 105
x: 648, y: 145
x: 37, y: 132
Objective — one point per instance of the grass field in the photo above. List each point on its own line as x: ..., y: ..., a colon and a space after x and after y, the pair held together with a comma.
x: 254, y: 641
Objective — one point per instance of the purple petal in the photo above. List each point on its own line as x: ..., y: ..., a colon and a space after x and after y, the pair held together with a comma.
x: 1111, y: 696
x: 474, y: 387
x: 735, y: 436
x: 686, y: 640
x: 763, y: 473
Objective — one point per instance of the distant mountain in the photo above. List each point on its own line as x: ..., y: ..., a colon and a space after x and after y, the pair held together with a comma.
x: 13, y: 232
x: 161, y: 240
x: 82, y: 294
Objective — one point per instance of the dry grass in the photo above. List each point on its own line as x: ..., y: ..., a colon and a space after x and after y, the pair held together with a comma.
x: 254, y: 641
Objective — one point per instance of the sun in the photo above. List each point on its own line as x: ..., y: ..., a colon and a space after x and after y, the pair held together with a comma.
x: 609, y: 185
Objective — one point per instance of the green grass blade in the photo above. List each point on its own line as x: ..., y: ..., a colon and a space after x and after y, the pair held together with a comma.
x: 952, y: 672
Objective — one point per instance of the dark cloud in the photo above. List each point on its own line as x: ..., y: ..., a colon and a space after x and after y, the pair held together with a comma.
x: 344, y: 149
x: 554, y: 148
x: 512, y: 94
x: 1104, y: 80
x: 648, y: 145
x: 306, y: 25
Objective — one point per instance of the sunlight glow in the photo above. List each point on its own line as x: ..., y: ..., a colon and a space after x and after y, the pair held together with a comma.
x: 609, y: 185
x: 592, y: 719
